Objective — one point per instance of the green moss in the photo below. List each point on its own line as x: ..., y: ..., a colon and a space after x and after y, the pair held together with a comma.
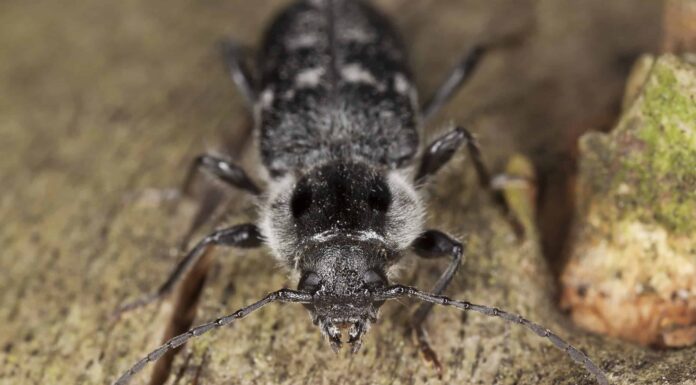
x: 654, y: 150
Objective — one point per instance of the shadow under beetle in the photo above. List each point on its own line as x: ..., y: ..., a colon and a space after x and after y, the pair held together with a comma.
x: 339, y: 125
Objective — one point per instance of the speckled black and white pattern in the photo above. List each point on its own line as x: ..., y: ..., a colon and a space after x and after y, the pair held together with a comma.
x: 338, y: 131
x: 338, y: 118
x: 334, y: 86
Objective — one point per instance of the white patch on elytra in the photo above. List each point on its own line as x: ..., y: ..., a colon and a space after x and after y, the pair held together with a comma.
x: 355, y: 73
x: 401, y: 84
x: 357, y: 35
x: 309, y: 78
x: 305, y: 40
x: 267, y: 97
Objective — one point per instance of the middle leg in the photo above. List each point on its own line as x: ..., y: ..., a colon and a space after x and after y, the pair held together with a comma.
x: 244, y: 236
x: 223, y: 170
x: 235, y: 59
x: 441, y: 151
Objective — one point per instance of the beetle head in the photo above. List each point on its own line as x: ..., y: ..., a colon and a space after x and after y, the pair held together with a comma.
x: 342, y: 273
x: 342, y: 225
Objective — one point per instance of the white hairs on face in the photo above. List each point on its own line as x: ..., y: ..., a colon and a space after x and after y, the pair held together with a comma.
x: 406, y: 213
x: 404, y: 222
x: 276, y: 222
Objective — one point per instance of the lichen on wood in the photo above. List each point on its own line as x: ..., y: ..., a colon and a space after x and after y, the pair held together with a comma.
x: 632, y: 272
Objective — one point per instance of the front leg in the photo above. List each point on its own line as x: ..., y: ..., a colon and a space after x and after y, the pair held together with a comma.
x: 244, y: 236
x: 434, y: 244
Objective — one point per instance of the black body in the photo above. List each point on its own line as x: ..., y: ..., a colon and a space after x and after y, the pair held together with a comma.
x: 337, y: 119
x: 338, y: 123
x: 335, y: 85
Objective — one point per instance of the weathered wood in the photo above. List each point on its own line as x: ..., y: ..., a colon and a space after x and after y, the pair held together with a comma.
x: 632, y: 271
x: 104, y: 101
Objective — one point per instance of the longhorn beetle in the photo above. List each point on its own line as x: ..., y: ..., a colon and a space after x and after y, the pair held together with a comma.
x: 338, y: 124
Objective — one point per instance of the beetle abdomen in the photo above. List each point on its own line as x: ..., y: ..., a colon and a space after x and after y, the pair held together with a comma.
x: 334, y: 85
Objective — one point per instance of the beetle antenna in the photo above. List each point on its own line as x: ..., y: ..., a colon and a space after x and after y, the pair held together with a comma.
x: 283, y: 295
x: 399, y: 291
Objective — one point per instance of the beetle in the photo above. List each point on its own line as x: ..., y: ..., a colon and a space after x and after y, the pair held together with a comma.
x: 338, y: 123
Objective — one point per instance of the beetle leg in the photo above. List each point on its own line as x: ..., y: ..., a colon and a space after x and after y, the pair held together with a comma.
x: 223, y: 170
x: 442, y: 149
x: 244, y: 236
x: 434, y: 244
x: 234, y: 57
x: 453, y: 82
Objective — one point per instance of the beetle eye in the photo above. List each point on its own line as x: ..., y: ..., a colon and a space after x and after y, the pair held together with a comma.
x: 379, y: 197
x: 310, y: 282
x: 373, y: 279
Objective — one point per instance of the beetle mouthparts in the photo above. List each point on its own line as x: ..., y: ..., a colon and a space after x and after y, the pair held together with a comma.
x: 356, y: 330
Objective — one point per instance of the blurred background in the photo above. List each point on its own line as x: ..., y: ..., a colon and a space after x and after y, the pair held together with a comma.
x: 99, y: 100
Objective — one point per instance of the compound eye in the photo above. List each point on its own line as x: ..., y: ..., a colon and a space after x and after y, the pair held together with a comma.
x: 310, y: 282
x: 373, y: 279
x: 379, y: 197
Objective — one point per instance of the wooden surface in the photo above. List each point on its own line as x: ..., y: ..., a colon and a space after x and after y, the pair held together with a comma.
x: 104, y: 104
